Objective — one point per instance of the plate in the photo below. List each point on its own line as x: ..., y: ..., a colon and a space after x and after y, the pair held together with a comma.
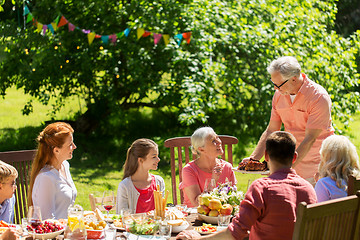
x: 183, y: 226
x: 267, y: 172
x: 117, y: 228
x: 208, y: 219
x: 198, y: 229
x: 47, y: 235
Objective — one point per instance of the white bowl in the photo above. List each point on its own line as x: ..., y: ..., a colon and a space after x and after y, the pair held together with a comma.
x: 183, y: 226
x: 208, y: 219
x: 47, y: 235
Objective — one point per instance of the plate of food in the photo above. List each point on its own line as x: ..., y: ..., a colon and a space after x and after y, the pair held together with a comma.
x: 253, y: 167
x: 206, y: 229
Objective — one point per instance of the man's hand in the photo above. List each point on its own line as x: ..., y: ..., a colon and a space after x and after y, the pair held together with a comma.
x: 188, y: 234
x: 246, y: 160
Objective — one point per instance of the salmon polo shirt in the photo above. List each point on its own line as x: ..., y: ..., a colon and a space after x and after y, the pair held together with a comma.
x: 311, y: 109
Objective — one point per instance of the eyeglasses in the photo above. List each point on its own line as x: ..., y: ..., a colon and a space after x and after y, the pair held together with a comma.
x: 278, y: 87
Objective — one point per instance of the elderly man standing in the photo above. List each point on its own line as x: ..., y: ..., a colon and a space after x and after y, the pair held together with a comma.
x: 304, y: 107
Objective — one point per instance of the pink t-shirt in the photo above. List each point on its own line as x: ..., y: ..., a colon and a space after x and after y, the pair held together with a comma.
x: 193, y: 175
x: 146, y: 199
x: 311, y: 109
x: 268, y: 210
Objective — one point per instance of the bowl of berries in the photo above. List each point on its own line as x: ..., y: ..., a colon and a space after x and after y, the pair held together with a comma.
x: 48, y: 229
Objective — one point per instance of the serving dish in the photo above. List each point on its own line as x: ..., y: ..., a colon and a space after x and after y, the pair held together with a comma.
x: 47, y: 235
x: 183, y: 226
x: 267, y: 172
x: 208, y: 219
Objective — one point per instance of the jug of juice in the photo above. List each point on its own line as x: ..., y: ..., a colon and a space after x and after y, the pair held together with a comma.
x: 75, y: 229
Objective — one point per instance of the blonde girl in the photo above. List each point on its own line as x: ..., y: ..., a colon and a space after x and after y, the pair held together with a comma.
x: 135, y: 191
x: 339, y: 159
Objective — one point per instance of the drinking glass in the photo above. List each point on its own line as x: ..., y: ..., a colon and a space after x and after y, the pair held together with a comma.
x: 224, y: 220
x: 210, y: 184
x: 165, y: 230
x: 24, y: 224
x: 34, y: 218
x: 108, y: 202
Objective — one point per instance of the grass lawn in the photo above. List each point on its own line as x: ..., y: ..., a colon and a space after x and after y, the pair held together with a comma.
x: 97, y: 163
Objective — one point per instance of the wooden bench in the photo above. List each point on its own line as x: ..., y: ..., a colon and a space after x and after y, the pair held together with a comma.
x: 21, y: 160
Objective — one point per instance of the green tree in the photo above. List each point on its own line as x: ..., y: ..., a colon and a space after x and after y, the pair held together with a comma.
x: 219, y: 78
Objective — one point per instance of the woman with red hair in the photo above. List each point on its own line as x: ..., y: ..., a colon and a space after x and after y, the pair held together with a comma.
x: 51, y: 185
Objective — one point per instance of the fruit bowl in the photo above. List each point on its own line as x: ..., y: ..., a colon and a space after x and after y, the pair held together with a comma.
x: 208, y: 219
x: 47, y: 235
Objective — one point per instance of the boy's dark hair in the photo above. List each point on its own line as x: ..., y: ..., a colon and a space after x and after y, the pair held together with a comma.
x: 281, y: 146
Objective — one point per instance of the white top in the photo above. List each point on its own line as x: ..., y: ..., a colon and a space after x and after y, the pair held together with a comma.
x: 53, y: 193
x: 128, y: 195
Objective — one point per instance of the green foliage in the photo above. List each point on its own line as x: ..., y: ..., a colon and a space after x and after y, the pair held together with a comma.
x: 220, y: 78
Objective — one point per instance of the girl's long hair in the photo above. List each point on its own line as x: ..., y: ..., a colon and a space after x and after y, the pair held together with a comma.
x: 54, y: 135
x: 139, y: 149
x: 339, y: 159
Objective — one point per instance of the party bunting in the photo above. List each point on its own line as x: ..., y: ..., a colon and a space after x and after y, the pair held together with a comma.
x: 127, y: 32
x: 166, y: 38
x: 91, y: 37
x: 54, y: 25
x: 178, y: 38
x: 39, y: 27
x: 26, y: 10
x: 141, y: 32
x: 187, y: 36
x: 29, y: 18
x: 62, y: 21
x: 71, y: 27
x: 157, y: 38
x: 105, y: 39
x: 49, y: 26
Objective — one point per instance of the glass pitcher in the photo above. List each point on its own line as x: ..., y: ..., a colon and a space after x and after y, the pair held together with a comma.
x: 75, y: 229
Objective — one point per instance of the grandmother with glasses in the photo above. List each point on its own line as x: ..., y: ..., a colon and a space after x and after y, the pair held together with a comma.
x: 304, y: 108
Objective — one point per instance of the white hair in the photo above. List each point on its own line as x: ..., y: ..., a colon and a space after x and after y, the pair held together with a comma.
x: 287, y: 66
x: 198, y: 138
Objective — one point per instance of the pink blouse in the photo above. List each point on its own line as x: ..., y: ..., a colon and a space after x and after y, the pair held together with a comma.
x: 193, y: 175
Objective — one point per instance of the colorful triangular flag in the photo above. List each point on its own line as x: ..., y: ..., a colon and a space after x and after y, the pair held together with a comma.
x: 71, y: 27
x: 166, y: 38
x: 105, y: 39
x: 91, y: 37
x: 44, y: 28
x: 126, y: 32
x: 140, y: 32
x: 62, y: 21
x: 50, y: 27
x: 39, y: 27
x: 187, y: 36
x: 146, y: 34
x: 26, y: 10
x: 54, y: 25
x: 157, y: 37
x: 178, y: 38
x: 29, y: 18
x: 112, y: 37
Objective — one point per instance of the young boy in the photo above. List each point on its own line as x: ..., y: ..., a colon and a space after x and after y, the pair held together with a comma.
x: 8, y: 175
x: 269, y: 208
